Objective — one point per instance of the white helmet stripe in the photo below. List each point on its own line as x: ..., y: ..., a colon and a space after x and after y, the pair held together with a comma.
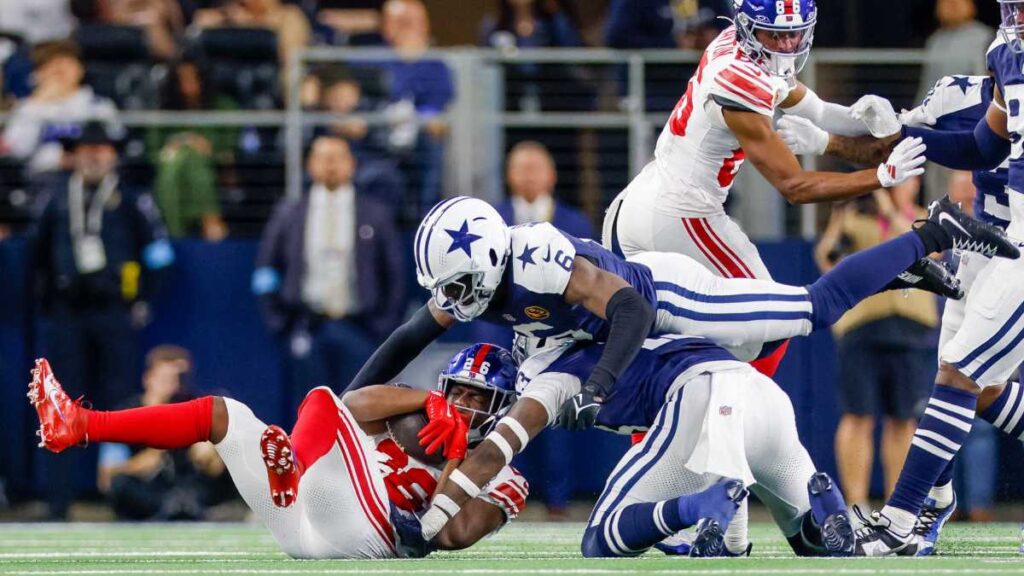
x: 422, y: 262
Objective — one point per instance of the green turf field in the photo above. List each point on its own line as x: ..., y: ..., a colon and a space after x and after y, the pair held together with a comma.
x: 526, y: 548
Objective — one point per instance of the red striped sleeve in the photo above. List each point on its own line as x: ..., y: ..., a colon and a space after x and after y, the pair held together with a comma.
x: 743, y: 84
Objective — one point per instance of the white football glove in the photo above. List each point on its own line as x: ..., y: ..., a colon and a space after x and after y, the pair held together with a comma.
x: 877, y: 115
x: 917, y: 117
x: 905, y: 162
x: 802, y: 136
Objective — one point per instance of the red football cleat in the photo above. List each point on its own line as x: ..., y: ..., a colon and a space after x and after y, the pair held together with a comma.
x: 62, y: 421
x: 282, y: 471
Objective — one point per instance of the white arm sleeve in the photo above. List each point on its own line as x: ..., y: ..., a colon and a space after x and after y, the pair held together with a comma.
x: 832, y: 118
x: 552, y: 389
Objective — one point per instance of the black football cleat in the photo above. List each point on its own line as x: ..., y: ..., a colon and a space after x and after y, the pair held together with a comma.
x: 718, y: 506
x: 931, y: 276
x: 828, y: 510
x: 968, y: 233
x: 877, y: 538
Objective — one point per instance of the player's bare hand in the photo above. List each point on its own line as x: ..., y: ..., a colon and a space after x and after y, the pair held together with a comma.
x: 802, y: 136
x: 878, y: 116
x: 906, y: 161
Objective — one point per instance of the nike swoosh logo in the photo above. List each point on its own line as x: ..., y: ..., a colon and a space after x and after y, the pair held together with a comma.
x: 947, y: 218
x: 52, y: 396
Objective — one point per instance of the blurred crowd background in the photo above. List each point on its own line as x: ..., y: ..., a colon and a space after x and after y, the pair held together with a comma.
x: 219, y: 195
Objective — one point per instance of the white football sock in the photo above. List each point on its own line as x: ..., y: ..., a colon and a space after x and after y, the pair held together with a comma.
x: 943, y: 495
x: 901, y: 522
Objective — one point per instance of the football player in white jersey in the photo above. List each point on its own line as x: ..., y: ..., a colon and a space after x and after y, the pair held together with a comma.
x: 676, y: 203
x: 339, y: 486
x: 977, y: 361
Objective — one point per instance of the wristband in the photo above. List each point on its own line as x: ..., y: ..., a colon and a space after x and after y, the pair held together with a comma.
x: 467, y: 485
x: 518, y: 429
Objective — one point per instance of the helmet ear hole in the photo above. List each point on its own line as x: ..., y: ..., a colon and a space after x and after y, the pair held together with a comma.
x: 494, y: 257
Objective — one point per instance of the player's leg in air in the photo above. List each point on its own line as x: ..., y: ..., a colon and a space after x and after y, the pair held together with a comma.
x: 325, y: 518
x: 744, y: 315
x: 975, y: 365
x: 725, y: 423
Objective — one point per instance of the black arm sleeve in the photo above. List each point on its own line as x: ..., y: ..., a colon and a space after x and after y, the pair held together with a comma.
x: 630, y: 318
x: 401, y: 347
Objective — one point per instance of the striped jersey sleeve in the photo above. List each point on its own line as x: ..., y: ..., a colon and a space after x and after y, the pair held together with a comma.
x: 745, y: 86
x: 508, y: 491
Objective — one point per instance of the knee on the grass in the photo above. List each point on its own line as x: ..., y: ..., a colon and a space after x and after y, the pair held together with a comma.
x: 593, y: 545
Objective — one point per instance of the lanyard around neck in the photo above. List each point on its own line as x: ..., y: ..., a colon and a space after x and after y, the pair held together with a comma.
x: 88, y: 220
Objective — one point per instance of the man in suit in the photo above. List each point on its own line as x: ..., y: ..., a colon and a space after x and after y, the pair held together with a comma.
x: 531, y: 176
x: 330, y: 274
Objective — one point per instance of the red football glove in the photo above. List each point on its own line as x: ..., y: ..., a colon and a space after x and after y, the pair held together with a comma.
x: 441, y: 418
x: 458, y: 441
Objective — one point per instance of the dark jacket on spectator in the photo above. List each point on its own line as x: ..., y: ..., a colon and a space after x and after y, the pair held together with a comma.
x: 132, y: 233
x: 380, y: 267
x: 640, y: 24
x: 566, y: 218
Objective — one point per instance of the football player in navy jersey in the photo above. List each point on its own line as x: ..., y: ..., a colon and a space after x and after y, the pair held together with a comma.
x: 955, y: 103
x: 550, y: 286
x: 976, y: 362
x: 715, y: 427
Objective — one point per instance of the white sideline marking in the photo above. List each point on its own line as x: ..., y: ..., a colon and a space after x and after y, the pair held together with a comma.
x: 123, y: 553
x: 574, y: 571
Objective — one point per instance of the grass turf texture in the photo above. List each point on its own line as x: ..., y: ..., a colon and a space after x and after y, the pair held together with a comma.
x: 525, y: 548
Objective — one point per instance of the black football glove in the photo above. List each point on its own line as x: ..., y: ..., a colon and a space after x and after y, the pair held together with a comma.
x: 580, y: 411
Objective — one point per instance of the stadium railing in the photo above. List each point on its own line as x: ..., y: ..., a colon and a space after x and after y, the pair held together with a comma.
x: 599, y: 111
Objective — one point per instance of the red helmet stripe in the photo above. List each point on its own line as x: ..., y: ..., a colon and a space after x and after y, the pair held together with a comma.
x: 478, y: 360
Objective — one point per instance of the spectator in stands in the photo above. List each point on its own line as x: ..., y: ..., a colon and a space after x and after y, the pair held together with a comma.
x: 15, y: 70
x: 538, y: 24
x: 958, y: 47
x: 531, y: 177
x: 146, y: 483
x: 641, y: 24
x: 57, y: 105
x: 330, y: 274
x: 420, y: 89
x: 186, y: 160
x: 286, y: 20
x: 99, y: 251
x: 162, y: 20
x: 886, y: 344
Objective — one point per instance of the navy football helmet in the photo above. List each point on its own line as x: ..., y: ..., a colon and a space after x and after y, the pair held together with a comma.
x: 776, y: 34
x: 490, y: 370
x: 1012, y: 25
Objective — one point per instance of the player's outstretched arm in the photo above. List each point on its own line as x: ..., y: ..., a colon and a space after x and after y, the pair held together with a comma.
x: 834, y: 118
x: 380, y: 402
x: 984, y: 148
x: 765, y: 148
x: 803, y: 137
x: 629, y: 318
x: 524, y: 421
x: 403, y: 346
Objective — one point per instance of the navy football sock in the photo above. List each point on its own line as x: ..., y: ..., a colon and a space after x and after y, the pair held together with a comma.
x: 945, y: 425
x: 861, y: 275
x: 1007, y: 411
x: 635, y: 528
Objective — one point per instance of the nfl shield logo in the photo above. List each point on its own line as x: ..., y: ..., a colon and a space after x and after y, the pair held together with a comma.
x: 725, y: 410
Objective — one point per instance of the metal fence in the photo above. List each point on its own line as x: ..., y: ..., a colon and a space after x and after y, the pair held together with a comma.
x: 599, y: 111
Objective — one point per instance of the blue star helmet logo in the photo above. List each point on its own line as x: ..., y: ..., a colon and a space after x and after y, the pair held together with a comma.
x: 462, y: 239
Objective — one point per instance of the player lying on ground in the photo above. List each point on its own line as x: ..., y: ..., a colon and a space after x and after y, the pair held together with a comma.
x: 550, y: 286
x: 339, y: 486
x: 956, y: 103
x: 708, y: 417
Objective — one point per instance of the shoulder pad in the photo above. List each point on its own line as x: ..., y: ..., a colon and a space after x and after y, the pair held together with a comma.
x: 746, y: 85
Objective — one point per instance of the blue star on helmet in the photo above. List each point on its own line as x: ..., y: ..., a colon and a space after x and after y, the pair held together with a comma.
x: 527, y: 256
x: 961, y: 82
x: 462, y: 239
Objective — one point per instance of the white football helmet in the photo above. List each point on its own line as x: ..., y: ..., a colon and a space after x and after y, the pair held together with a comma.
x: 461, y: 248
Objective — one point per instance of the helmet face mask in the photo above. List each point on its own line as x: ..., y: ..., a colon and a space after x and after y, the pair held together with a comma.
x: 463, y: 296
x: 779, y: 45
x: 1012, y: 24
x: 480, y: 382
